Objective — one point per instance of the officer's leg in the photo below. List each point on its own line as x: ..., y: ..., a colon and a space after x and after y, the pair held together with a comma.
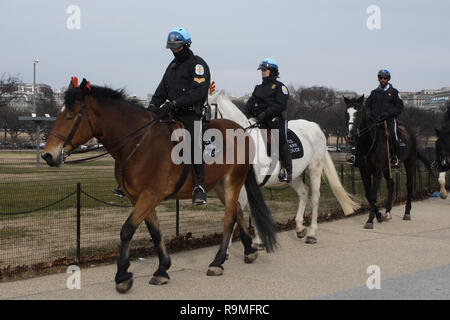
x: 392, y: 126
x: 285, y: 151
x: 194, y: 126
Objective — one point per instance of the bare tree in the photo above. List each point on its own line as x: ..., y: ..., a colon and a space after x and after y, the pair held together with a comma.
x: 8, y: 85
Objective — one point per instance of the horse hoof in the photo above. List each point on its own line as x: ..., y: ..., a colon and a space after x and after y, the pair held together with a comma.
x: 123, y: 287
x: 249, y: 258
x: 443, y: 195
x: 214, y: 271
x: 258, y: 246
x: 157, y: 281
x: 311, y: 240
x: 368, y: 225
x: 407, y: 217
x: 388, y: 216
x: 301, y: 234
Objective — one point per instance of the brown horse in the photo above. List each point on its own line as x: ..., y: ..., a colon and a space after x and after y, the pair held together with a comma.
x: 141, y: 145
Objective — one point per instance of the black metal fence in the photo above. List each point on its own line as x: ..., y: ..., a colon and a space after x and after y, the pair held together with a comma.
x: 69, y: 215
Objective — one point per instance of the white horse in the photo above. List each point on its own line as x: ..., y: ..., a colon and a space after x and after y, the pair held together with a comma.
x: 315, y: 158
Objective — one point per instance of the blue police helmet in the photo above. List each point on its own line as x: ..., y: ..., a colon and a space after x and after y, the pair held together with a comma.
x: 178, y: 37
x: 384, y: 73
x: 268, y: 63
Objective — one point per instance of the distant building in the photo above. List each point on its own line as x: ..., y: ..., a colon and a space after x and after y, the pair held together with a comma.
x: 429, y: 98
x: 23, y: 96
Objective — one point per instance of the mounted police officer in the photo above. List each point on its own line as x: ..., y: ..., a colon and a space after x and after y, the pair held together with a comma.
x: 384, y: 103
x: 268, y: 104
x: 182, y: 92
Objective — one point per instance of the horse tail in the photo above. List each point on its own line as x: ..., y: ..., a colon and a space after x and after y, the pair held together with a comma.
x: 347, y: 202
x: 263, y: 219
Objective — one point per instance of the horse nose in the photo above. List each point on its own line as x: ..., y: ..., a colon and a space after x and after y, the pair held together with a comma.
x: 47, y: 156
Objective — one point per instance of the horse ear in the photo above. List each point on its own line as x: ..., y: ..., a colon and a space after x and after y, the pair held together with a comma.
x: 346, y: 100
x: 73, y: 83
x: 85, y: 86
x: 437, y: 132
x: 361, y: 99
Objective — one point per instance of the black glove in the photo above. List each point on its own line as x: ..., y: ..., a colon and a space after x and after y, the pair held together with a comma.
x: 166, y: 107
x: 261, y: 117
x: 153, y: 108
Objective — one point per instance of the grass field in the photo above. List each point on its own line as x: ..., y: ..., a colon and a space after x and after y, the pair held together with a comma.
x: 50, y: 233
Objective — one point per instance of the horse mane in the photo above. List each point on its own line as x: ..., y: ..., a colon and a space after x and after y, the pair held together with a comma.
x: 103, y: 95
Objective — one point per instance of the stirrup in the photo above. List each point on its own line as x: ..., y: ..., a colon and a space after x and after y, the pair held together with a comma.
x: 198, y: 196
x: 284, y: 176
x: 351, y: 160
x: 395, y: 162
x: 118, y: 192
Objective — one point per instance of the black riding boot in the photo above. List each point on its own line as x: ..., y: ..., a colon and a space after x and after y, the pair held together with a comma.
x: 286, y: 164
x: 395, y: 159
x: 118, y: 192
x: 199, y: 193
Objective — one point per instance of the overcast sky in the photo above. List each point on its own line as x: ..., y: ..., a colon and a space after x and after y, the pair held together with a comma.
x: 122, y: 43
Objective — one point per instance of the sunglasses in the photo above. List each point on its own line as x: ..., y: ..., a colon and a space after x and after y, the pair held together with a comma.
x: 381, y: 78
x: 264, y: 70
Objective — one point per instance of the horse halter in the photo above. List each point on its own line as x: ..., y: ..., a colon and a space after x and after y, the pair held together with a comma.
x: 67, y: 140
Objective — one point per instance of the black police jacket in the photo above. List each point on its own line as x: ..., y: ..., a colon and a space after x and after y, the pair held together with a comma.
x: 185, y: 82
x: 270, y: 97
x: 384, y: 103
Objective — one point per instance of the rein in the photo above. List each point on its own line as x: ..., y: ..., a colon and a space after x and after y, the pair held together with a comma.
x: 112, y: 147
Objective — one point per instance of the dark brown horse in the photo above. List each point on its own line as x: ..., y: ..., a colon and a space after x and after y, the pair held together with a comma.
x: 372, y: 156
x: 141, y: 145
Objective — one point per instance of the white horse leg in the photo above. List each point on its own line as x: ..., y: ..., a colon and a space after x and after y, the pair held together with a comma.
x: 302, y: 191
x: 315, y: 175
x: 441, y: 180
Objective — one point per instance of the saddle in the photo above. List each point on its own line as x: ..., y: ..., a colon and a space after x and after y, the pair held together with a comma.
x: 294, y: 142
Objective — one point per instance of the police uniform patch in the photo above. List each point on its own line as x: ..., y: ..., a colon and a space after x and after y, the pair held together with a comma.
x: 285, y: 90
x: 199, y: 80
x: 199, y: 70
x: 274, y: 86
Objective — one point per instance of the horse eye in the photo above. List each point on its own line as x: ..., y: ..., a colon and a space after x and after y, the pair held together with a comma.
x: 69, y: 118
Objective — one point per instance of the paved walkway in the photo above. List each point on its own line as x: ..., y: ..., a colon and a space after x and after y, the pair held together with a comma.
x: 413, y: 257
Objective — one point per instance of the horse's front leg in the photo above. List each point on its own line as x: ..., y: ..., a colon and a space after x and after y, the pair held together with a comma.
x: 145, y: 204
x: 443, y: 191
x: 390, y: 191
x: 160, y: 276
x: 410, y: 173
x: 371, y: 195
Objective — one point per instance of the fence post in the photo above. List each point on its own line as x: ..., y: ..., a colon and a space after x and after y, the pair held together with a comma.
x: 177, y: 217
x: 78, y: 222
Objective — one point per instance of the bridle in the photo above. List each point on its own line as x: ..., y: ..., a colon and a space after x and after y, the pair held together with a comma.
x: 68, y: 140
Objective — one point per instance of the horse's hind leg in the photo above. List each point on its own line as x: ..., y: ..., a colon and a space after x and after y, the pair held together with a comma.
x: 390, y: 191
x: 302, y: 191
x: 410, y: 171
x: 160, y: 276
x: 231, y: 194
x: 315, y: 175
x: 250, y: 253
